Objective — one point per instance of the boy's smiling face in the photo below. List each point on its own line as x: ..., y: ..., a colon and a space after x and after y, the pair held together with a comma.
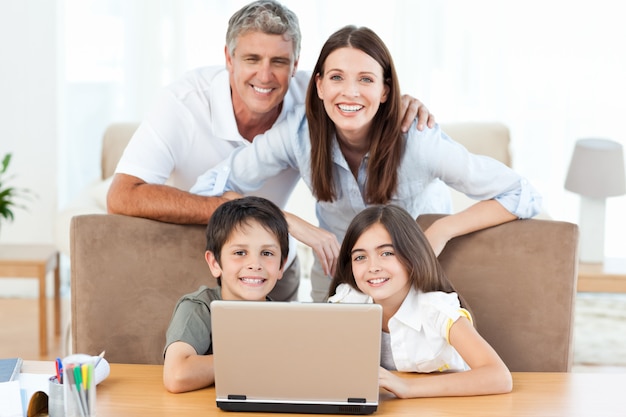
x: 250, y: 263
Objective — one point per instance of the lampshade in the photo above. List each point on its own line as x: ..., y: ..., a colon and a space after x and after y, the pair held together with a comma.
x: 597, y: 169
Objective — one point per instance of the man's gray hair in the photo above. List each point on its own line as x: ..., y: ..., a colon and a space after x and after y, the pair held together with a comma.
x: 266, y: 16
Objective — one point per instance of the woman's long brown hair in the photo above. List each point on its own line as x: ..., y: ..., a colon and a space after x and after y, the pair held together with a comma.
x: 386, y: 138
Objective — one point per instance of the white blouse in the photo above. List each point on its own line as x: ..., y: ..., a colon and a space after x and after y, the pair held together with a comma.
x: 419, y: 330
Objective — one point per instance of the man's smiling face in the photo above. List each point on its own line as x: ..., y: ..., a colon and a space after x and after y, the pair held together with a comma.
x: 260, y: 70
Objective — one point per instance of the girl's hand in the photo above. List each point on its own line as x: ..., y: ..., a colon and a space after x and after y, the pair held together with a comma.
x: 392, y: 383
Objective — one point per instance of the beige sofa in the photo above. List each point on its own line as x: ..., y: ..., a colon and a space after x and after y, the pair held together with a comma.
x: 127, y: 273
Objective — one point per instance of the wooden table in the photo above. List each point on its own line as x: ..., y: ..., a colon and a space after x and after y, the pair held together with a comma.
x: 609, y: 276
x: 134, y: 390
x: 35, y: 261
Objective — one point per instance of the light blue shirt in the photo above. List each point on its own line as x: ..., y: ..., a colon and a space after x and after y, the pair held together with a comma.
x: 430, y: 160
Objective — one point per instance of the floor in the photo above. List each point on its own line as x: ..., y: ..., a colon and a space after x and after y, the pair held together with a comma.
x: 599, y: 334
x: 19, y: 323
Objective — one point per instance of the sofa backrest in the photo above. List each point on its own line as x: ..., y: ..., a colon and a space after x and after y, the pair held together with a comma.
x: 126, y: 275
x: 519, y: 279
x: 114, y: 141
x: 483, y: 138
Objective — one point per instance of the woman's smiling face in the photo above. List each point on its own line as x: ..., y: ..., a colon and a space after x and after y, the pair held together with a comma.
x: 352, y: 88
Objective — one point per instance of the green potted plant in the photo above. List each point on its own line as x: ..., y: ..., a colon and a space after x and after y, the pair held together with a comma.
x: 9, y: 195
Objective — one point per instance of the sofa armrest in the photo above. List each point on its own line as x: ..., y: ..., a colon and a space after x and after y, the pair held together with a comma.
x: 519, y: 278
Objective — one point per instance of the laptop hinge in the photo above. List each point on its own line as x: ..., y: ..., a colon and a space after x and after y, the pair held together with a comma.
x: 237, y: 397
x: 356, y: 400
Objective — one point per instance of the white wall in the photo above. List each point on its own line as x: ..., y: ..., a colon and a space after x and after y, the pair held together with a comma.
x: 29, y: 121
x: 29, y: 112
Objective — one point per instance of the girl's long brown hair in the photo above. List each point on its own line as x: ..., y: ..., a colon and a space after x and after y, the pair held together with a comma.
x: 386, y: 138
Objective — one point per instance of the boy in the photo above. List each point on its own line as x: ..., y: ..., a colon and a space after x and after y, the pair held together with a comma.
x: 247, y: 246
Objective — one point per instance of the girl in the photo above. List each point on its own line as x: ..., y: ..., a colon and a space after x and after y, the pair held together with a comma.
x: 386, y: 259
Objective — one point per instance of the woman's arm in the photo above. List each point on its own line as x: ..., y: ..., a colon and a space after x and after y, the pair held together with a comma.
x: 477, y: 176
x: 479, y: 216
x: 502, y: 194
x: 488, y: 373
x: 248, y: 167
x: 324, y: 243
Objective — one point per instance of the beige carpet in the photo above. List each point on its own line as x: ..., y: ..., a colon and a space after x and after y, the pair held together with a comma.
x: 600, y: 330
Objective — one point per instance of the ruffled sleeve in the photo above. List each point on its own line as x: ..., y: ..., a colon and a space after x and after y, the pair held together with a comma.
x: 442, y: 309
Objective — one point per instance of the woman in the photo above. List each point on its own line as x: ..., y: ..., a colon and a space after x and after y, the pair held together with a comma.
x: 351, y: 153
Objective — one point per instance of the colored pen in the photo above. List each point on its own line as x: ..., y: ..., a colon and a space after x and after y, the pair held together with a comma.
x: 90, y: 369
x: 59, y: 368
x: 100, y: 356
x: 86, y: 375
x: 78, y: 379
x: 71, y: 372
x: 83, y: 375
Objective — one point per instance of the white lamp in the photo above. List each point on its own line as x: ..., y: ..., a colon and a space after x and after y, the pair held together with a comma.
x: 595, y: 172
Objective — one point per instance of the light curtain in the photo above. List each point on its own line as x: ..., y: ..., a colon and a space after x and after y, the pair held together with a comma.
x: 553, y: 71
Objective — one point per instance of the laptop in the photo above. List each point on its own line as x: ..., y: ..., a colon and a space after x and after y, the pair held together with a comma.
x: 296, y: 357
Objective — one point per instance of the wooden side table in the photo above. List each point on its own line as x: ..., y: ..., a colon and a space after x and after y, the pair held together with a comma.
x: 35, y: 261
x: 609, y: 276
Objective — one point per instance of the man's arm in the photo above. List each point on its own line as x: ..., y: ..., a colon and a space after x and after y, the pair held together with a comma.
x: 132, y: 196
x: 413, y: 108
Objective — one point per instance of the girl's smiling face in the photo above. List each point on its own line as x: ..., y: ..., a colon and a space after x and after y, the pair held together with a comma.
x: 352, y: 87
x: 377, y: 270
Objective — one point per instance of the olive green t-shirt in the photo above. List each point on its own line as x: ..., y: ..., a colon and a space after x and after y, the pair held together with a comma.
x: 191, y: 320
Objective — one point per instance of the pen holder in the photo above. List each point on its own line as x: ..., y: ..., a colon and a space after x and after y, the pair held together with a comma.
x: 79, y: 386
x: 55, y: 398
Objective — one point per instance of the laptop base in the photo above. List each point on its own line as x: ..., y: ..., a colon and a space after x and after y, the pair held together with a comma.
x: 268, y: 407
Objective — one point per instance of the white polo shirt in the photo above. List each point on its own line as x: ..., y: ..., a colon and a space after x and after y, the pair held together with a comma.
x: 192, y: 128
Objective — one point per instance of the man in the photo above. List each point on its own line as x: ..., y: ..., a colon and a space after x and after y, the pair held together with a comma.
x: 200, y: 119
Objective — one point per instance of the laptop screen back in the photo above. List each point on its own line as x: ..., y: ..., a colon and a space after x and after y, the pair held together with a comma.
x: 296, y: 357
